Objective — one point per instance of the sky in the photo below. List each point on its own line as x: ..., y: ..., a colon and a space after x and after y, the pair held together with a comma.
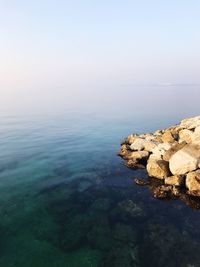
x: 75, y: 50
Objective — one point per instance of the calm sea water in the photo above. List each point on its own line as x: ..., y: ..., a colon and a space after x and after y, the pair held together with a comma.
x: 67, y: 200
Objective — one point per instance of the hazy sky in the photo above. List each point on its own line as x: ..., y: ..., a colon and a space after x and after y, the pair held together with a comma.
x: 51, y: 48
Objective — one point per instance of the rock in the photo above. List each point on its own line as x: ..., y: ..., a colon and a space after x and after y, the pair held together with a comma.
x: 74, y: 231
x: 174, y: 180
x: 150, y: 137
x: 121, y: 256
x: 138, y: 144
x: 190, y: 123
x: 140, y: 181
x: 185, y: 160
x: 196, y: 134
x: 175, y: 132
x: 193, y: 182
x: 160, y: 149
x: 158, y: 133
x: 131, y: 138
x: 158, y: 169
x: 101, y: 204
x: 176, y: 191
x: 168, y: 137
x: 99, y: 235
x: 168, y: 155
x: 176, y: 146
x: 156, y: 157
x: 134, y: 165
x: 163, y: 191
x: 138, y: 155
x: 185, y: 135
x: 136, y: 159
x: 124, y: 233
x: 123, y: 151
x: 150, y: 145
x: 131, y: 208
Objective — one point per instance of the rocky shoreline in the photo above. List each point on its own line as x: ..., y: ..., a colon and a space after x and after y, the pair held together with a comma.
x: 171, y: 157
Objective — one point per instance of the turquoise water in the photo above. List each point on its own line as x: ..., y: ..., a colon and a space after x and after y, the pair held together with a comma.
x: 67, y: 200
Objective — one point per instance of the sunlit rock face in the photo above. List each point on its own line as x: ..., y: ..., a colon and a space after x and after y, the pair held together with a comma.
x: 171, y: 155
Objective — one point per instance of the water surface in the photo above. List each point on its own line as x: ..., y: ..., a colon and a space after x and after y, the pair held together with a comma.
x: 67, y: 200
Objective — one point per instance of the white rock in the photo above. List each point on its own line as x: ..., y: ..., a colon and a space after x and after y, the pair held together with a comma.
x: 161, y: 149
x: 150, y: 145
x: 186, y: 159
x: 138, y: 144
x: 138, y: 155
x: 196, y: 134
x: 185, y: 135
x: 155, y: 157
x: 190, y: 123
x: 131, y: 138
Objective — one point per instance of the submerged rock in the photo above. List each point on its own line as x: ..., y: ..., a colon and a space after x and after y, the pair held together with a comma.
x: 124, y: 256
x: 131, y: 208
x: 139, y: 181
x: 124, y: 233
x: 163, y: 191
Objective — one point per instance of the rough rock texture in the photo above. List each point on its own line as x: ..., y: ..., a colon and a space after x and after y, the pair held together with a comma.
x: 185, y: 135
x: 193, y: 182
x: 186, y: 159
x: 171, y: 155
x: 138, y: 144
x: 174, y: 180
x: 158, y: 168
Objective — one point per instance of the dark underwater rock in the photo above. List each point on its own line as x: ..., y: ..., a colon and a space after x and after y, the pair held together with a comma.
x: 100, y: 235
x: 124, y: 233
x: 125, y: 256
x: 164, y: 245
x: 131, y: 208
x: 74, y: 232
x: 140, y: 181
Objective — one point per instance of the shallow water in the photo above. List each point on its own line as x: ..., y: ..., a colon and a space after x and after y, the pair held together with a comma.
x: 67, y: 200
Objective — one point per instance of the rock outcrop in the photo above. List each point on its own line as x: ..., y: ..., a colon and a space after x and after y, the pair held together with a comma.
x: 171, y: 155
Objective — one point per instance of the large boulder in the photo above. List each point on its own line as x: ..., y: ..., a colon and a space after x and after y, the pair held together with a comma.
x: 158, y: 168
x: 196, y: 134
x: 161, y: 149
x: 190, y: 123
x: 150, y: 145
x: 138, y: 144
x: 167, y: 137
x: 193, y: 182
x: 170, y: 152
x: 131, y: 138
x: 185, y: 160
x: 185, y: 135
x: 138, y: 155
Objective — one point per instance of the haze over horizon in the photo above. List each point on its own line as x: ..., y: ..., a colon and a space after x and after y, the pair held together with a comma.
x: 65, y: 53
